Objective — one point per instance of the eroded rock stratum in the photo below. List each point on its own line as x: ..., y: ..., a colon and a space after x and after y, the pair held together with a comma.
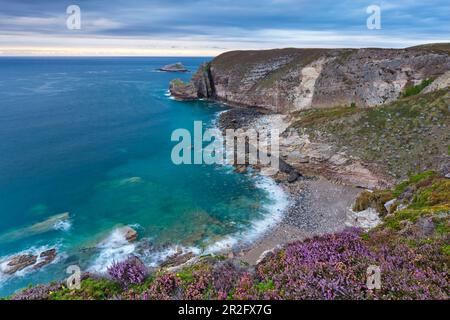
x: 287, y: 80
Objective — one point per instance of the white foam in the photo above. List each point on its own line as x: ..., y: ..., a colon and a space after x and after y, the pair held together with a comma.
x: 273, y: 210
x: 114, y: 248
x: 62, y: 225
x: 155, y: 258
x: 273, y: 214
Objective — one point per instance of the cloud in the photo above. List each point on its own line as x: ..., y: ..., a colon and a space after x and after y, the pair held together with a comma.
x: 214, y: 26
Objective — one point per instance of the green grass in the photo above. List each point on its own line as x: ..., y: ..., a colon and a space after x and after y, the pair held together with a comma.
x: 401, y: 187
x: 446, y: 249
x: 317, y: 116
x: 91, y: 289
x: 414, y: 90
x: 265, y: 286
x: 431, y: 196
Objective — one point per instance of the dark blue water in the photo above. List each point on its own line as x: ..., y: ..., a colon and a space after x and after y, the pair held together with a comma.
x: 91, y: 137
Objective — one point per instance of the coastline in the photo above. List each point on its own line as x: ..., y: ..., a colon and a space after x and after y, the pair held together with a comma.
x: 316, y: 206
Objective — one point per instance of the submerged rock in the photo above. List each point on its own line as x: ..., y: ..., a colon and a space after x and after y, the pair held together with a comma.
x: 38, y: 228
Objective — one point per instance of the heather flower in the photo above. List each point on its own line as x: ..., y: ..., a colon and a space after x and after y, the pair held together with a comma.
x: 40, y: 292
x: 129, y: 272
x: 225, y: 276
x: 198, y: 288
x: 245, y: 288
x: 164, y: 287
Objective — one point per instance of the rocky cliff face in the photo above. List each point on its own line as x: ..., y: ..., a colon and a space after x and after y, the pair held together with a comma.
x: 287, y: 80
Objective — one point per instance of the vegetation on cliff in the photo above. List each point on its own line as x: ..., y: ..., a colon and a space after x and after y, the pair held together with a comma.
x: 406, y: 136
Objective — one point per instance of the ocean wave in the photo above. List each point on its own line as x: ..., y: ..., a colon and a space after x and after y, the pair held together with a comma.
x: 116, y: 248
x: 63, y: 225
x: 273, y: 213
x: 157, y: 257
x: 273, y: 210
x: 113, y: 249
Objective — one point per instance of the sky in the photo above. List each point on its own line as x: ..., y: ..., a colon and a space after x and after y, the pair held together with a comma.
x: 210, y: 27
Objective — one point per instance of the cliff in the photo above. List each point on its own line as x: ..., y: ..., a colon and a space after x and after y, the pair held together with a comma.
x: 287, y: 80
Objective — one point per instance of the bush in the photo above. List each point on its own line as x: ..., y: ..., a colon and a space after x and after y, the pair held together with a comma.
x: 129, y: 272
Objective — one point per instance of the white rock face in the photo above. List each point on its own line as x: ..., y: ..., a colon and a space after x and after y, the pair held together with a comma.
x: 440, y: 83
x: 367, y: 219
x: 304, y: 94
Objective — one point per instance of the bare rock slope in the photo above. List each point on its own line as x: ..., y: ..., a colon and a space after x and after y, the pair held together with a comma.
x: 287, y: 80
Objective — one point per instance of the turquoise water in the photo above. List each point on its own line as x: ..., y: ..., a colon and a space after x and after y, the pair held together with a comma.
x: 91, y: 137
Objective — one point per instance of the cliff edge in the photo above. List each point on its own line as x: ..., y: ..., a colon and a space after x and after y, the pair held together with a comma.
x: 288, y: 80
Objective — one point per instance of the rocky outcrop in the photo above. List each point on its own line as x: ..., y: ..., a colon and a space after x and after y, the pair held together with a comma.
x: 440, y: 83
x: 287, y: 80
x: 129, y: 234
x: 183, y: 91
x: 175, y: 67
x: 22, y: 261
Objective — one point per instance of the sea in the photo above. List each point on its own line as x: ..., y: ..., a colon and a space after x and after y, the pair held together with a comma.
x: 85, y: 150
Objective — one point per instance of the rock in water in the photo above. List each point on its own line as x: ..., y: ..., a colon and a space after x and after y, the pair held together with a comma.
x: 38, y: 228
x: 129, y: 234
x: 183, y: 91
x: 20, y: 262
x: 48, y: 256
x: 175, y: 67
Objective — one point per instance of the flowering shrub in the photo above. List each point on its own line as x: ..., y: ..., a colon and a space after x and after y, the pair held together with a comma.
x: 128, y: 272
x: 164, y: 287
x: 225, y: 276
x: 245, y: 288
x: 199, y: 287
x: 40, y: 292
x: 334, y: 267
x: 330, y: 267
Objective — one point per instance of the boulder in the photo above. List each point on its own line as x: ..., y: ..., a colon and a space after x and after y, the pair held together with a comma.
x: 293, y: 176
x: 425, y: 227
x: 240, y: 169
x: 129, y: 234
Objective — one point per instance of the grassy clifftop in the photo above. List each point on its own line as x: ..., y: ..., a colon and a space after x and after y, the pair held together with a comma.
x: 407, y: 136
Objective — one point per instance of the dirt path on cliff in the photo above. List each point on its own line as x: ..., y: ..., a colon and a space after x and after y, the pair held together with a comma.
x: 318, y: 207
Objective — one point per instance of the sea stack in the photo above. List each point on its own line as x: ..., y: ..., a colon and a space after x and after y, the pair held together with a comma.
x: 175, y: 67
